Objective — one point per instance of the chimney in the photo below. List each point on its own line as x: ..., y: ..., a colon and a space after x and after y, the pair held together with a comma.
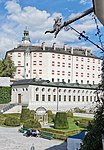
x: 54, y: 46
x: 71, y: 50
x: 65, y: 47
x: 43, y: 46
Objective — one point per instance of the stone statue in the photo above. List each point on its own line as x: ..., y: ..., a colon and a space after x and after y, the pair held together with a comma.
x: 56, y: 26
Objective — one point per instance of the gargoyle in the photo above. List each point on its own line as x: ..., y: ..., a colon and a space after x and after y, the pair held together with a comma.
x: 56, y: 26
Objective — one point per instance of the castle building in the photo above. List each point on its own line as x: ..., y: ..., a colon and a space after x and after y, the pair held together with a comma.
x: 53, y: 77
x: 67, y: 64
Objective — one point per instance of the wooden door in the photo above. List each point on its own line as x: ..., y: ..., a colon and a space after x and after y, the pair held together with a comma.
x: 19, y: 98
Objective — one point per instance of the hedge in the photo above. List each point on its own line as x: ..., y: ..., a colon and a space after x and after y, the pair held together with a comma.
x: 32, y: 123
x: 26, y: 114
x: 62, y: 135
x: 5, y: 95
x: 12, y: 121
x: 61, y: 121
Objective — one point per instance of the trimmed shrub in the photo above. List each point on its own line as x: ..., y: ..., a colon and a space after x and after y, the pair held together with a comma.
x: 32, y: 114
x: 69, y: 114
x: 61, y: 121
x: 31, y: 123
x: 26, y: 114
x: 5, y: 95
x: 12, y: 121
x: 51, y: 116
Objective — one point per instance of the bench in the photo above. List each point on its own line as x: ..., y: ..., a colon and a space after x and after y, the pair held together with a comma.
x: 46, y: 135
x: 22, y: 130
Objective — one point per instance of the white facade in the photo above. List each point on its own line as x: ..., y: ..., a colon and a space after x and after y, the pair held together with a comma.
x: 53, y: 96
x: 56, y: 66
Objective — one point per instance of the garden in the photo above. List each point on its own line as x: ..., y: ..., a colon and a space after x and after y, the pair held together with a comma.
x: 64, y: 123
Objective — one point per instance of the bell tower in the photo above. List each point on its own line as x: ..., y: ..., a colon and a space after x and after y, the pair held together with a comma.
x: 26, y: 39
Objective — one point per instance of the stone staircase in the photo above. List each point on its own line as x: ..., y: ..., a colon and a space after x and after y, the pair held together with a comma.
x: 6, y: 107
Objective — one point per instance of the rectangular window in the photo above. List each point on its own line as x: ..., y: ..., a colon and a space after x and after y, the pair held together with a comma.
x: 93, y: 67
x: 34, y: 71
x: 64, y: 97
x: 62, y: 80
x: 98, y: 61
x: 40, y: 71
x: 76, y: 81
x: 58, y: 80
x: 40, y: 54
x: 52, y: 79
x: 59, y: 97
x: 69, y: 65
x: 43, y: 97
x: 58, y: 56
x: 87, y: 81
x: 76, y: 73
x: 69, y: 98
x: 94, y: 98
x: 81, y: 58
x: 93, y: 60
x: 58, y: 72
x: 53, y: 72
x: 93, y: 75
x: 77, y: 58
x: 40, y: 62
x: 19, y: 63
x: 63, y: 73
x: 74, y: 98
x: 34, y: 62
x: 82, y: 98
x: 88, y: 75
x: 19, y: 71
x: 88, y: 67
x: 81, y: 74
x: 76, y: 65
x: 37, y: 97
x: 99, y: 69
x: 86, y: 98
x: 19, y: 54
x: 90, y: 98
x: 81, y: 66
x: 69, y: 57
x: 54, y: 97
x: 68, y: 73
x: 88, y: 60
x: 78, y: 98
x: 81, y: 81
x: 53, y: 55
x: 68, y: 80
x: 63, y: 57
x: 99, y: 76
x: 49, y: 97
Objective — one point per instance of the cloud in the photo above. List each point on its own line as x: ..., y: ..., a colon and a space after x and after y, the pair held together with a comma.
x: 84, y: 2
x: 37, y: 21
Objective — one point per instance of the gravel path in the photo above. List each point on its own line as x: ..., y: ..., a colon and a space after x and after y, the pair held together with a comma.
x: 11, y: 139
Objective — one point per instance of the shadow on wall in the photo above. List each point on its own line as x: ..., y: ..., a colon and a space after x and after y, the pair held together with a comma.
x: 62, y: 146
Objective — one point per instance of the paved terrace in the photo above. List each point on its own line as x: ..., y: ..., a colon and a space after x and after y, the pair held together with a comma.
x: 11, y: 139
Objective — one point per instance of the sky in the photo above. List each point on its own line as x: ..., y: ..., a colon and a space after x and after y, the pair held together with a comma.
x: 38, y: 16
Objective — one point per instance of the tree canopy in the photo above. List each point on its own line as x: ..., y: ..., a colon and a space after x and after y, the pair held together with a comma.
x: 7, y: 68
